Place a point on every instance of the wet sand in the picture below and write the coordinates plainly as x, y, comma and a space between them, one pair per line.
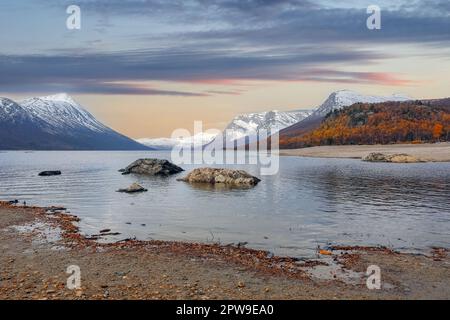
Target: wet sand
436, 152
37, 246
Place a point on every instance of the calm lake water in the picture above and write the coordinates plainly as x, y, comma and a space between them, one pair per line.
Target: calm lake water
309, 202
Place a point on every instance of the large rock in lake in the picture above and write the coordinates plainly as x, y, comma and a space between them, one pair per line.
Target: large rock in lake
394, 158
154, 167
223, 176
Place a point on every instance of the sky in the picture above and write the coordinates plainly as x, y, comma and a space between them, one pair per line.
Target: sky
147, 67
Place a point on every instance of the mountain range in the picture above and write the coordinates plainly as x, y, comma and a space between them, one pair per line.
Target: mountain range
59, 123
242, 126
199, 139
336, 101
56, 123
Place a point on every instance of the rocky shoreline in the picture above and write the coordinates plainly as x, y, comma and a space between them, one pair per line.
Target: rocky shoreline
132, 269
426, 152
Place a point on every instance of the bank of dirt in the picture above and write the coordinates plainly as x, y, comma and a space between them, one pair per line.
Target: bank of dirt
37, 247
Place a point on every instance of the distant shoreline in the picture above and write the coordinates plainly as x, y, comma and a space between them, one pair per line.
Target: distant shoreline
433, 152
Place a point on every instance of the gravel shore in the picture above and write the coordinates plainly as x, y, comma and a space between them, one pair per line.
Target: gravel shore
37, 247
436, 152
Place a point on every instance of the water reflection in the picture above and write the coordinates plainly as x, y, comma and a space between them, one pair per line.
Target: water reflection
309, 202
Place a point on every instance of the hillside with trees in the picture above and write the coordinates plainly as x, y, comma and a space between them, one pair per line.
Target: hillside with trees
381, 123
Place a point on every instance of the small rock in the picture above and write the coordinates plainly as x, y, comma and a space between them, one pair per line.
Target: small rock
49, 173
134, 188
54, 209
242, 244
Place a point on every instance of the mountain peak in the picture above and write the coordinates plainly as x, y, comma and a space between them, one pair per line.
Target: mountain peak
345, 98
56, 122
63, 97
4, 100
344, 91
246, 125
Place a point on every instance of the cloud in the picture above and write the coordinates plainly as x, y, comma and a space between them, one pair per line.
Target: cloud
227, 43
93, 87
379, 78
108, 72
284, 21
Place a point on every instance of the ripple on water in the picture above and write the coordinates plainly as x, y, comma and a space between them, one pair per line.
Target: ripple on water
309, 202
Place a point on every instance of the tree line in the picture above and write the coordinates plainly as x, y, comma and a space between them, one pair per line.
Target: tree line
382, 123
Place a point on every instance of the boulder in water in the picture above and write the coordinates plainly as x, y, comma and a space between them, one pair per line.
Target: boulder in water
154, 167
134, 188
221, 176
394, 158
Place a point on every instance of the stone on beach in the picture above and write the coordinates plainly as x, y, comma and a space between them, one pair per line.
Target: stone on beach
154, 167
394, 158
50, 173
133, 189
221, 176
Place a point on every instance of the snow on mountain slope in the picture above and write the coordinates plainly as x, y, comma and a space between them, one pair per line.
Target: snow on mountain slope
245, 125
61, 112
56, 123
11, 111
248, 125
199, 139
335, 101
344, 98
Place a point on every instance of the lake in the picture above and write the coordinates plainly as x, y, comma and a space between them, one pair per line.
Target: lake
310, 202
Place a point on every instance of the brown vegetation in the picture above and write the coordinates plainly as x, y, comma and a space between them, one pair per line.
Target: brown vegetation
383, 123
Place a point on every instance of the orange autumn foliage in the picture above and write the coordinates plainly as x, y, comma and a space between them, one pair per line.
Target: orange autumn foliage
383, 123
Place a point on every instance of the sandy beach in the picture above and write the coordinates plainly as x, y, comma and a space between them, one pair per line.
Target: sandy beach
38, 245
436, 152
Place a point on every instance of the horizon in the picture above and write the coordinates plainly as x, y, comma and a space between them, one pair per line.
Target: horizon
176, 64
65, 95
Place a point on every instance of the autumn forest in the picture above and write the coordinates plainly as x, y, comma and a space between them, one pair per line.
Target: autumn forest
383, 123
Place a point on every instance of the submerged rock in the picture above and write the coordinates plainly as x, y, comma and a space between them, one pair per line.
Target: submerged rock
154, 167
394, 158
133, 189
221, 176
50, 173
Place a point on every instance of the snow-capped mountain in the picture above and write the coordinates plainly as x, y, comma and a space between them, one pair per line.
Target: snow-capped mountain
335, 101
197, 140
244, 128
249, 124
56, 123
11, 112
61, 112
345, 98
